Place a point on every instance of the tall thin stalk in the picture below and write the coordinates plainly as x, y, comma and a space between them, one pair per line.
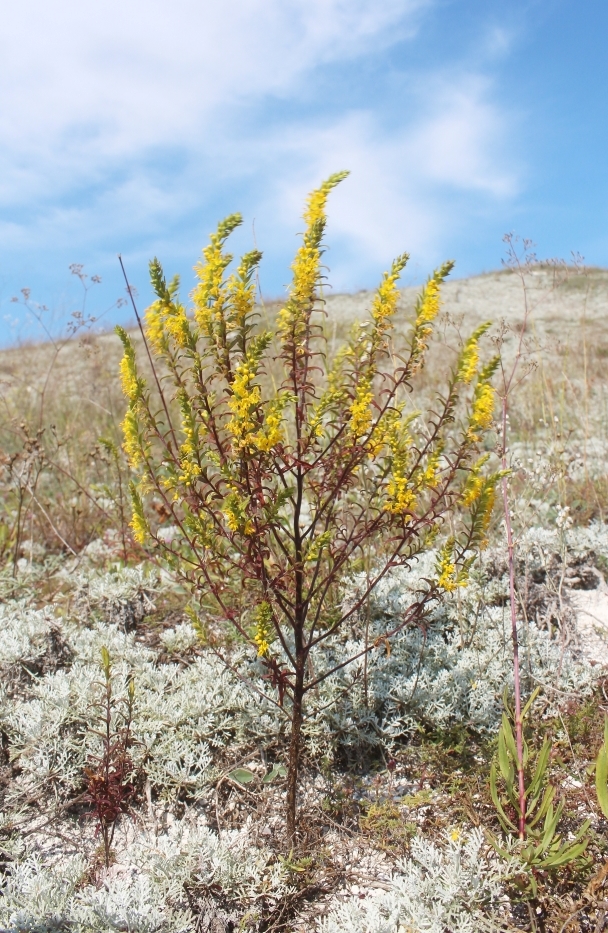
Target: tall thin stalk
511, 378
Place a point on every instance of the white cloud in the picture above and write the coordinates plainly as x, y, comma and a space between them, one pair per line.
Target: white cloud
400, 195
98, 96
103, 77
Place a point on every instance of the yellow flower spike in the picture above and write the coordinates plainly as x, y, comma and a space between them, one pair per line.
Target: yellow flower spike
178, 326
131, 444
474, 483
469, 357
155, 331
138, 522
140, 529
264, 633
429, 475
361, 409
482, 411
401, 499
448, 579
315, 205
429, 304
128, 378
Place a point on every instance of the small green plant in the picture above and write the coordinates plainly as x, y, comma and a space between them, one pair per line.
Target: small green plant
111, 775
542, 847
280, 467
384, 823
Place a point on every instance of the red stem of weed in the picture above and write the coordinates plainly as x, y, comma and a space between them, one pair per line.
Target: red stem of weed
516, 682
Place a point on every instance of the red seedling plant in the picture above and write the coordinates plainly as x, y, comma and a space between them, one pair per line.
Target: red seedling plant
110, 776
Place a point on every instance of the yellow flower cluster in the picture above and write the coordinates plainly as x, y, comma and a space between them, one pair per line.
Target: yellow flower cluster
307, 262
242, 299
428, 307
428, 477
315, 205
361, 409
155, 331
469, 363
235, 510
140, 528
178, 326
482, 411
401, 498
243, 403
448, 578
385, 300
316, 546
469, 357
271, 433
128, 377
474, 484
131, 444
263, 634
210, 273
190, 471
305, 269
138, 521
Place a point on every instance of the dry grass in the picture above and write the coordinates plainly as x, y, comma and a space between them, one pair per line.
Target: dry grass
61, 488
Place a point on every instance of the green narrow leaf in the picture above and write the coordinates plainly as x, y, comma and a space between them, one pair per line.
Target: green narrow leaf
505, 822
601, 779
526, 708
508, 736
541, 767
567, 853
506, 766
551, 821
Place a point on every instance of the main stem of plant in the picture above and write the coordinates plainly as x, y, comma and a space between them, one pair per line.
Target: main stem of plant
512, 599
294, 751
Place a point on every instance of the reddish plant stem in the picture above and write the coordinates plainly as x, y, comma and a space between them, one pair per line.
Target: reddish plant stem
512, 599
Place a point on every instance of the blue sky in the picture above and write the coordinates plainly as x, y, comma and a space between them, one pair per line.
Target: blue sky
133, 127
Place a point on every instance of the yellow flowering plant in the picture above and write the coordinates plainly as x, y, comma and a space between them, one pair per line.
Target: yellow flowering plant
279, 465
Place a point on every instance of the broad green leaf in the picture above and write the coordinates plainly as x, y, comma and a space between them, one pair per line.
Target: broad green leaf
242, 776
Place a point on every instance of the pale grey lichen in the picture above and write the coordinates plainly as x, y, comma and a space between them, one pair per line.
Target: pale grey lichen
455, 887
191, 712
